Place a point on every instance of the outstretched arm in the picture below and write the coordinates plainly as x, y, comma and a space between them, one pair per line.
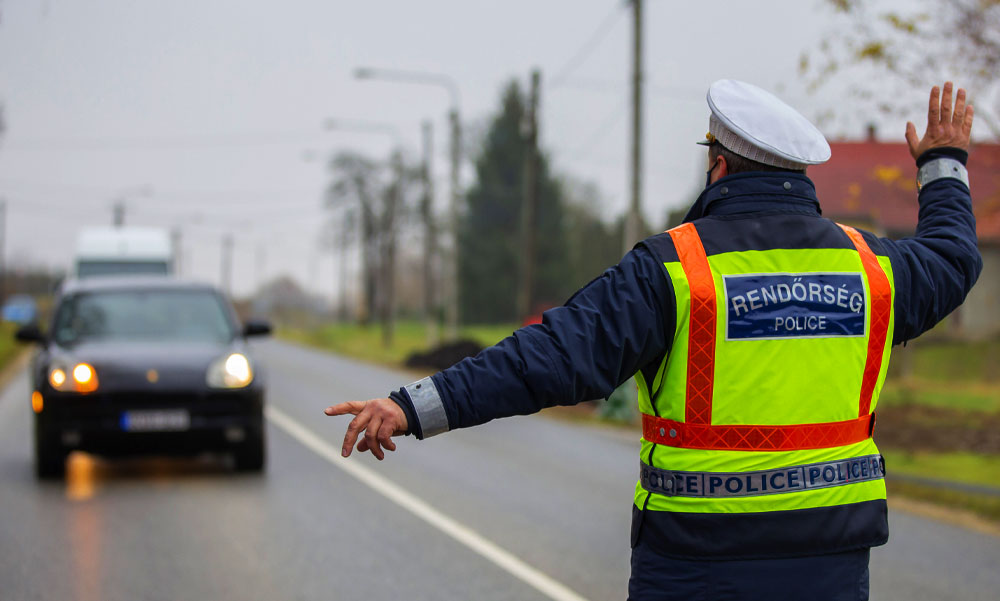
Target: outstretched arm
606, 332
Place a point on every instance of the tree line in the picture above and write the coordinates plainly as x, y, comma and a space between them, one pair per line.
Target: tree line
380, 202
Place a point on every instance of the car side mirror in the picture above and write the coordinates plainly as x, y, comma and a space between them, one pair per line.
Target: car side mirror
256, 327
29, 333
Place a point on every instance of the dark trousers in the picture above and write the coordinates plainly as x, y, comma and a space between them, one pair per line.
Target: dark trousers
836, 577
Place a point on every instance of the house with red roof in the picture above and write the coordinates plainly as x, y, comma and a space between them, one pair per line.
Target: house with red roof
872, 185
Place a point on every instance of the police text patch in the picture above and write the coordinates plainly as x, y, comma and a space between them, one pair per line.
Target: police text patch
762, 482
789, 305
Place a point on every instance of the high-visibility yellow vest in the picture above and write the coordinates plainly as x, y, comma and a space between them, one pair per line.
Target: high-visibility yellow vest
765, 403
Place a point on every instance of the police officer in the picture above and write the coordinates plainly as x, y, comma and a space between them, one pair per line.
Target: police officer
759, 335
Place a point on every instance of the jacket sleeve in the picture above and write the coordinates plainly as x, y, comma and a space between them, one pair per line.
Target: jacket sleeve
583, 350
934, 269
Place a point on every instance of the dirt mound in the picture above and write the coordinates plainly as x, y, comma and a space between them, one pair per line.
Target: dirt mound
444, 356
924, 428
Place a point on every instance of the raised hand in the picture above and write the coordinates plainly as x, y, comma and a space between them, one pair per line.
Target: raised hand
379, 419
945, 127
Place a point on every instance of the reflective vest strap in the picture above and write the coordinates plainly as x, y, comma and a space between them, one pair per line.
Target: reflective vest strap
795, 437
701, 329
881, 295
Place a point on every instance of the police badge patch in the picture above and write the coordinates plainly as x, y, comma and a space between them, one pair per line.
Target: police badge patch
795, 305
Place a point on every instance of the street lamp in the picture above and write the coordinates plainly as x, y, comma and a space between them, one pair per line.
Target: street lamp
446, 82
362, 126
118, 206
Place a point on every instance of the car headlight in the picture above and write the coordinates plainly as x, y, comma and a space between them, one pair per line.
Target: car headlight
230, 371
81, 377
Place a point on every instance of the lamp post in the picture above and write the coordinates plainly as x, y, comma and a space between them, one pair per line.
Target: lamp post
118, 206
451, 263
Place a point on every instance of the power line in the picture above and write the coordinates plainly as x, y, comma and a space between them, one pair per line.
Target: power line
169, 190
611, 86
599, 132
214, 140
589, 46
176, 142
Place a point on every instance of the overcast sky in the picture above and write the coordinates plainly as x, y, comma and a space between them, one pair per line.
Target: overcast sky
205, 114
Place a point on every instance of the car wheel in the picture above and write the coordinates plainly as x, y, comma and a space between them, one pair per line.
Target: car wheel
252, 455
50, 460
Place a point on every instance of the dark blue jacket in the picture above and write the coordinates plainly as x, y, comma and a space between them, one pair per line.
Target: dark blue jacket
623, 320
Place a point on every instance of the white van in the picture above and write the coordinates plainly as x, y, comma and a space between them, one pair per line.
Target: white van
124, 251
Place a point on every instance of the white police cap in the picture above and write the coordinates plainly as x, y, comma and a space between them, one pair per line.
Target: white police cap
757, 125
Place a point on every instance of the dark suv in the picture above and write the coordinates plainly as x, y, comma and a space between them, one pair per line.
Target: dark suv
145, 365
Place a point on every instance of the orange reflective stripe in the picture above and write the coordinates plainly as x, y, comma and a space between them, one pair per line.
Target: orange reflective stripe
756, 438
881, 307
697, 431
701, 328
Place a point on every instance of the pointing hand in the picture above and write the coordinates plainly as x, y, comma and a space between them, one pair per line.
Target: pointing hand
379, 419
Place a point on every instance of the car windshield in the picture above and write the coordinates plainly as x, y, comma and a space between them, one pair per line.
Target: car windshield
146, 315
86, 269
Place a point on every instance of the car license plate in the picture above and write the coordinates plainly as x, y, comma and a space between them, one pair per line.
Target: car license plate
165, 420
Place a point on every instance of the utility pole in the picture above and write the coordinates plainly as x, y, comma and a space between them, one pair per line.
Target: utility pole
633, 219
3, 240
118, 213
451, 308
387, 294
529, 202
227, 264
175, 248
347, 225
260, 265
430, 236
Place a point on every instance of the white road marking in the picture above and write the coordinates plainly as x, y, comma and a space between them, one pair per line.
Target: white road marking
464, 535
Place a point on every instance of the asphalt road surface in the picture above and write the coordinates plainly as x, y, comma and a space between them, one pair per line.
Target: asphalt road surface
525, 508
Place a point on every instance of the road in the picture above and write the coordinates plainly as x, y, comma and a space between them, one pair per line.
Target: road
526, 508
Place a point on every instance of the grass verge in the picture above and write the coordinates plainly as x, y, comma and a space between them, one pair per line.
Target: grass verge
366, 343
974, 396
968, 468
941, 469
982, 506
10, 349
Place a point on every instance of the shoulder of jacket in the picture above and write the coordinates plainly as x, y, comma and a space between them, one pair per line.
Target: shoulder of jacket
661, 246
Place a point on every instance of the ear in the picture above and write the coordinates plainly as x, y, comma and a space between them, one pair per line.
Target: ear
723, 170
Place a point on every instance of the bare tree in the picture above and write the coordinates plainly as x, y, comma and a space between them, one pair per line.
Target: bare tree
909, 49
384, 194
356, 181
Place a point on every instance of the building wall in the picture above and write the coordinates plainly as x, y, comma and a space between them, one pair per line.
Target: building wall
979, 317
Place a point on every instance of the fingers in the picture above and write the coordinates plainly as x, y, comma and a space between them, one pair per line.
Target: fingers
934, 108
912, 139
967, 125
385, 436
948, 124
946, 104
383, 439
959, 117
354, 407
357, 424
371, 438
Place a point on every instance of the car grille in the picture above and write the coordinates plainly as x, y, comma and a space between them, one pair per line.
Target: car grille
200, 403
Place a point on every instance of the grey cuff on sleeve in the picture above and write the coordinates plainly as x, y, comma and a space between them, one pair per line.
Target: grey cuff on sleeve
428, 406
942, 168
